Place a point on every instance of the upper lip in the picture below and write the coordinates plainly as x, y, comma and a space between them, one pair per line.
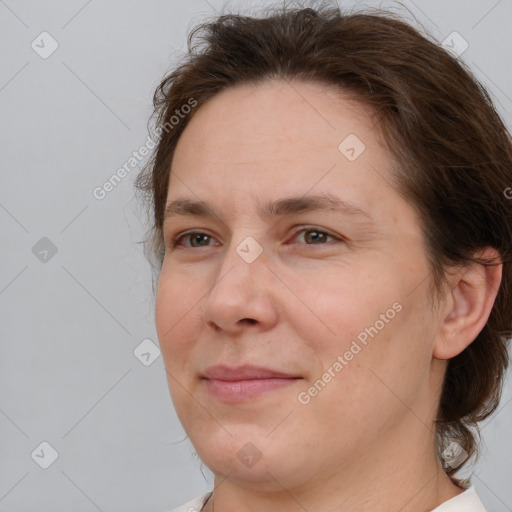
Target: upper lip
244, 372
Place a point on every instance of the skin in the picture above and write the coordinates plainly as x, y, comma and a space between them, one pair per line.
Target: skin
366, 440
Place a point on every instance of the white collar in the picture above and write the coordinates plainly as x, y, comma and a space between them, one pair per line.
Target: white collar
466, 501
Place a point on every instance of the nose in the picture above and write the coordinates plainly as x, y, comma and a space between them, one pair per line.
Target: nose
243, 293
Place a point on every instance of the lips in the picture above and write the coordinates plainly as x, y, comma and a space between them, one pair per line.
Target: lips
236, 384
246, 372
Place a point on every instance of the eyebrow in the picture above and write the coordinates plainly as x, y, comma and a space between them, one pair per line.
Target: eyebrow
275, 208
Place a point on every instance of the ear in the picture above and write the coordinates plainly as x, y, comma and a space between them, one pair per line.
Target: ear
468, 304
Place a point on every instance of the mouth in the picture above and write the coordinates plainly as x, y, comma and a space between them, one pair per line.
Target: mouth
244, 382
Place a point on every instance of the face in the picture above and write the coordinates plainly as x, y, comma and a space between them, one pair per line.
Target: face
293, 313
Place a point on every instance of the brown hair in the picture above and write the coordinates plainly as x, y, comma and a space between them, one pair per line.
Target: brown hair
453, 152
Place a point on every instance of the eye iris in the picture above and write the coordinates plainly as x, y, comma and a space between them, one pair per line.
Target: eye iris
198, 237
318, 236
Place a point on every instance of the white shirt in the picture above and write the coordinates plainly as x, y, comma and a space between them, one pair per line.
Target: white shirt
467, 501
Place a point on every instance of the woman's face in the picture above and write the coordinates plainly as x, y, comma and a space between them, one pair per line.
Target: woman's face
329, 302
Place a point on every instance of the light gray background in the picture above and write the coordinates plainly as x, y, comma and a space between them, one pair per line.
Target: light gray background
69, 326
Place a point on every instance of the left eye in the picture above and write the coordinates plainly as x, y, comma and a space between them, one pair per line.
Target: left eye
313, 236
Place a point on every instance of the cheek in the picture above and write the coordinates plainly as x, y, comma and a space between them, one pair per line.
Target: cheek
362, 389
176, 312
174, 318
342, 304
363, 321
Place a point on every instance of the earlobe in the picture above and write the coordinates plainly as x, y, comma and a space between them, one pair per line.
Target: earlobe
473, 290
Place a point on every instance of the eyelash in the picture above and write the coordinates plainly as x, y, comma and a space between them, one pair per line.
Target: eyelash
175, 241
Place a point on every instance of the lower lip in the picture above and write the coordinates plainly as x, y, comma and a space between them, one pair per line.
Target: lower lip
239, 390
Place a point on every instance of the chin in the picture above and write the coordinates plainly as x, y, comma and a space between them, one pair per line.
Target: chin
243, 455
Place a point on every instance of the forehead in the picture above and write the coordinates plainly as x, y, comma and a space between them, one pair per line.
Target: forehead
253, 148
278, 119
263, 128
254, 143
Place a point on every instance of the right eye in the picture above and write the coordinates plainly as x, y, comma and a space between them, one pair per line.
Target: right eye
198, 237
